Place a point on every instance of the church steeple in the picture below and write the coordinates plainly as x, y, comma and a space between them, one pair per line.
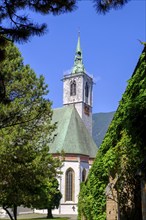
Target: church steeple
78, 62
77, 89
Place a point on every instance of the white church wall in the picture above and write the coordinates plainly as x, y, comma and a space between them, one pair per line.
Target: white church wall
69, 207
3, 213
76, 167
76, 163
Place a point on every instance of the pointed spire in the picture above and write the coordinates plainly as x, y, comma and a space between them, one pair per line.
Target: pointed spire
78, 50
78, 62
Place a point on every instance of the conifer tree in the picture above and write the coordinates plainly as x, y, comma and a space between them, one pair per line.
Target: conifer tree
104, 6
25, 133
15, 16
17, 25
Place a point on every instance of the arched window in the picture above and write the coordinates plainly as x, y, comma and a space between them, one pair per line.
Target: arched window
86, 90
83, 175
73, 88
69, 185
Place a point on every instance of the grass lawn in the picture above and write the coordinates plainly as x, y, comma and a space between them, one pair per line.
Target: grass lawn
57, 218
35, 216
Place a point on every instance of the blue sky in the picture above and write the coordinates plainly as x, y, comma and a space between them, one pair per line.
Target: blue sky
109, 45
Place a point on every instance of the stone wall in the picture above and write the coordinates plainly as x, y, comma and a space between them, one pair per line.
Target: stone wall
111, 200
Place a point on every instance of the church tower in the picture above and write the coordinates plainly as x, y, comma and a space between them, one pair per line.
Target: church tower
77, 89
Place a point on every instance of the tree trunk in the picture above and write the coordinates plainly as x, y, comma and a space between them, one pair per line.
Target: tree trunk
15, 212
49, 213
7, 211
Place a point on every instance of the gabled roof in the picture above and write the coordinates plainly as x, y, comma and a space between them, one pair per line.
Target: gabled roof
72, 135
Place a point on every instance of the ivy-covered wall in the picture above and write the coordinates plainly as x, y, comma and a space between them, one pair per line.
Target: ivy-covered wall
121, 153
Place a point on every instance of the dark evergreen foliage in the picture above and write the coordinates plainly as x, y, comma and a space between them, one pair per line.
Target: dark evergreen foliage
15, 16
104, 6
15, 19
16, 22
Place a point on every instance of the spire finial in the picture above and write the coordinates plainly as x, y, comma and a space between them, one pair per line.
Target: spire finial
78, 62
78, 31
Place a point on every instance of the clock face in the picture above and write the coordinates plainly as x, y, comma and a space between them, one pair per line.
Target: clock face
86, 110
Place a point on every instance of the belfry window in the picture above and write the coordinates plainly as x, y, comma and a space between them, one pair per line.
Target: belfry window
69, 185
86, 90
73, 88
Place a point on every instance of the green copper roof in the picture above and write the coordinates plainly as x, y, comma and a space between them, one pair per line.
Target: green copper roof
72, 135
78, 62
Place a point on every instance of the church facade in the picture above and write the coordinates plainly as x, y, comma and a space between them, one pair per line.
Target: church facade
74, 134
